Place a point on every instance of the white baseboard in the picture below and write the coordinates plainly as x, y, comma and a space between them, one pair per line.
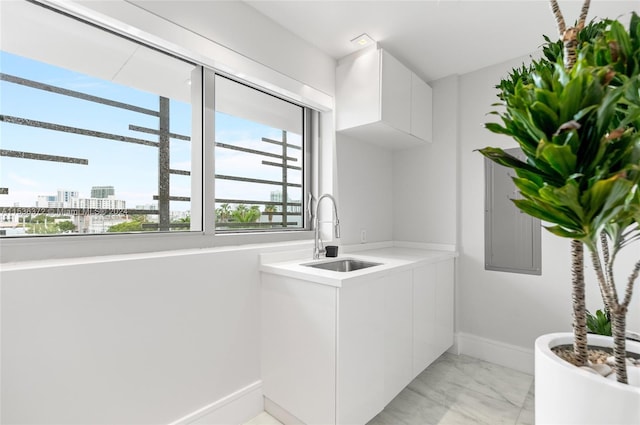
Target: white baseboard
236, 408
280, 413
511, 356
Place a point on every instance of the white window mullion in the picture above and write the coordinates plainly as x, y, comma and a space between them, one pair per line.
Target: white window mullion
208, 147
197, 151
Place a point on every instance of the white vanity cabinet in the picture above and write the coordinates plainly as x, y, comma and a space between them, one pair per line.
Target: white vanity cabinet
337, 354
381, 101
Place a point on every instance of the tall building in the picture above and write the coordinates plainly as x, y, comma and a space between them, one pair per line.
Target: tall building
65, 197
102, 191
48, 201
102, 198
100, 204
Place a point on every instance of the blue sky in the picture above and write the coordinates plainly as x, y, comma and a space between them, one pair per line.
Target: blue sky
130, 168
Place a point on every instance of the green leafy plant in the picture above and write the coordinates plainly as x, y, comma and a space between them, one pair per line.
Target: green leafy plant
244, 214
599, 323
575, 114
223, 213
66, 226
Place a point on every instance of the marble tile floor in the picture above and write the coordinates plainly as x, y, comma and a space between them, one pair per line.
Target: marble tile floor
456, 390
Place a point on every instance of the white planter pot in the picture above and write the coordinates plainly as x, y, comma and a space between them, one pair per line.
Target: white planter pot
565, 394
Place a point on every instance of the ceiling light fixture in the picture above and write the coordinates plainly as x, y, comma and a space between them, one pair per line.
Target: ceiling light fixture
363, 40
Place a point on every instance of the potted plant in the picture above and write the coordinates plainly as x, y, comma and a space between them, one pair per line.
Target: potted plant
575, 113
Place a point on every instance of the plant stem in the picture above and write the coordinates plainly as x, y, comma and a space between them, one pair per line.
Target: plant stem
559, 18
579, 307
570, 35
618, 331
608, 265
618, 314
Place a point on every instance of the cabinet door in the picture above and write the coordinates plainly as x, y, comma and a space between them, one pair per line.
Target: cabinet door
421, 109
358, 90
299, 347
398, 337
395, 93
360, 351
424, 315
445, 305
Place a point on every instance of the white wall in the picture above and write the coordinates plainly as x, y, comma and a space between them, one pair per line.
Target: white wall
129, 340
425, 177
365, 178
148, 338
408, 194
507, 308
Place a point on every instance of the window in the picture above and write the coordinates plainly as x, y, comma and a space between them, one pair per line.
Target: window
96, 137
259, 160
95, 129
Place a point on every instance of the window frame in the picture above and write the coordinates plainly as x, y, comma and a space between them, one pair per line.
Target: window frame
318, 115
307, 164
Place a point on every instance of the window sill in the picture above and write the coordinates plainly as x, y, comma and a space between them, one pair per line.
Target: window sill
14, 250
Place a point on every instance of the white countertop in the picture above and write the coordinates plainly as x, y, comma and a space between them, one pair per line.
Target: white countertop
392, 259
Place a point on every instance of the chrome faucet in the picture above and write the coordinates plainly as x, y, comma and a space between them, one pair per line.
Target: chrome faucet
336, 230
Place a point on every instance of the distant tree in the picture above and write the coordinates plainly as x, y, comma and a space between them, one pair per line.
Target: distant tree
127, 226
42, 228
135, 225
40, 218
66, 226
270, 209
244, 214
223, 213
181, 223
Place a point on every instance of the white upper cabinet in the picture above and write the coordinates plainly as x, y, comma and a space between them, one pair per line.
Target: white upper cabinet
421, 109
395, 93
381, 101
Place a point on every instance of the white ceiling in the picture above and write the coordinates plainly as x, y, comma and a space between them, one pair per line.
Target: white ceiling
434, 38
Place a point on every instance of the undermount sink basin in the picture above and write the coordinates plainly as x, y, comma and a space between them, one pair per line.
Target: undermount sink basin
343, 265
